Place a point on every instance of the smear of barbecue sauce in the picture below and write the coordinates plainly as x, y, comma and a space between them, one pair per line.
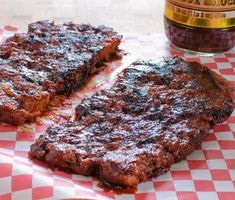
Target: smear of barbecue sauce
115, 190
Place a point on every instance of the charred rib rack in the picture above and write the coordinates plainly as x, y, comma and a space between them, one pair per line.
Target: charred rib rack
48, 60
153, 116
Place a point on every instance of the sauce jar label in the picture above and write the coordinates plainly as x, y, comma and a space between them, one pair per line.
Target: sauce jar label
202, 13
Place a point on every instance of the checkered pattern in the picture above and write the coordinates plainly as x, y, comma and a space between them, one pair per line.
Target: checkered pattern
208, 173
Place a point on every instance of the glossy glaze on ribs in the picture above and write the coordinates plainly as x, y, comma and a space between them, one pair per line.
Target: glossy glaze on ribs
47, 60
153, 116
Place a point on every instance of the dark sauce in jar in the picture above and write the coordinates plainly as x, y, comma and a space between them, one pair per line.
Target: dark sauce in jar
201, 25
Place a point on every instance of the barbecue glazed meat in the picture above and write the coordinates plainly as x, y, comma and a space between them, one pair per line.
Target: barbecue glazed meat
48, 60
153, 116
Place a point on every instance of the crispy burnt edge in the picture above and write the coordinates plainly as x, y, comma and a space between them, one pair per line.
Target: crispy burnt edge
43, 145
219, 115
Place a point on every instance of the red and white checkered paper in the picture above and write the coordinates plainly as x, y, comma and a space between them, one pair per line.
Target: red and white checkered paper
208, 173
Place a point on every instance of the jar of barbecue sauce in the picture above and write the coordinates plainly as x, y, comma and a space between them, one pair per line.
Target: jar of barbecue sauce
201, 25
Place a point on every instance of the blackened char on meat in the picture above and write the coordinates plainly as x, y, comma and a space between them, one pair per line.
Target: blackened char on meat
47, 60
153, 116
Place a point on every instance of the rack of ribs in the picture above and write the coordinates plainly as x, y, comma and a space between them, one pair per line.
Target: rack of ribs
154, 115
46, 61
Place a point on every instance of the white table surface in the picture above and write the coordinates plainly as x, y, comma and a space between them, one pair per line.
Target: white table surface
139, 16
